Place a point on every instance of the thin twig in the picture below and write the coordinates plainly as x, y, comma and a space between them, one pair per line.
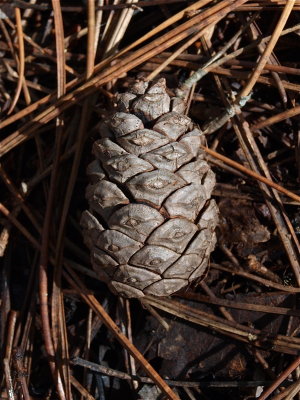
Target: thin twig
280, 379
8, 379
251, 173
268, 50
44, 255
256, 278
21, 60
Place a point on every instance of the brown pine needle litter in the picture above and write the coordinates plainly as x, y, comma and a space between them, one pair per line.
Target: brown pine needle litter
232, 333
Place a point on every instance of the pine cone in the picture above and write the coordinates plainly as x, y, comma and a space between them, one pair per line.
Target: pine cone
150, 227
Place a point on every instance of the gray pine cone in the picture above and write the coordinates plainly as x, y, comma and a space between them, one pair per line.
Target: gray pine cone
151, 223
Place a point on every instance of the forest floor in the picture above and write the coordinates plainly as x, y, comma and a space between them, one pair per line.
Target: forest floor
235, 333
